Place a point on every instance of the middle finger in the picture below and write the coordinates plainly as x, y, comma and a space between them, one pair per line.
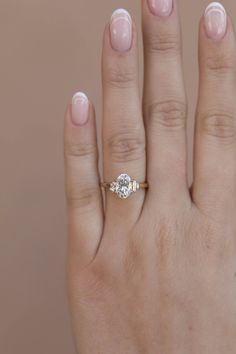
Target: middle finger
165, 107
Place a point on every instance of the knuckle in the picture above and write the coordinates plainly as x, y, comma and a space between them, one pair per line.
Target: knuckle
105, 270
220, 125
166, 241
125, 147
168, 114
120, 76
78, 198
135, 255
163, 43
210, 241
220, 64
78, 149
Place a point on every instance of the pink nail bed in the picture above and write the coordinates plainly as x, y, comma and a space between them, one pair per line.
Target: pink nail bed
80, 108
161, 7
215, 21
121, 30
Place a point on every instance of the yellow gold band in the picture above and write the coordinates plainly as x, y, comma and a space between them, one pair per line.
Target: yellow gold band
124, 186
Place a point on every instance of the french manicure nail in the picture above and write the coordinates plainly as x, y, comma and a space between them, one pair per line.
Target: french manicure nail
80, 108
161, 7
121, 30
215, 21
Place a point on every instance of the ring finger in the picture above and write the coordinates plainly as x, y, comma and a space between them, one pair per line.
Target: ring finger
123, 130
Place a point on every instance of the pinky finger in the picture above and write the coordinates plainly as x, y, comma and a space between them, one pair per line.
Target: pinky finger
84, 198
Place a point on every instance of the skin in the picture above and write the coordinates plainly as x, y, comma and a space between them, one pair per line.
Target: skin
156, 273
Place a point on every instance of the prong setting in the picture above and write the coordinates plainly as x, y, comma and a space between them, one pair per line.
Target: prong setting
124, 186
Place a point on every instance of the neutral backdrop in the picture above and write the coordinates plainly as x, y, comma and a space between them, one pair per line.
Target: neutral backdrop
48, 50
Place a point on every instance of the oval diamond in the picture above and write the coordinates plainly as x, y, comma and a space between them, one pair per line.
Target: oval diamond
124, 186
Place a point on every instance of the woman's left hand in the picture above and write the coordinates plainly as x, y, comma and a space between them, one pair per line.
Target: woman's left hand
155, 273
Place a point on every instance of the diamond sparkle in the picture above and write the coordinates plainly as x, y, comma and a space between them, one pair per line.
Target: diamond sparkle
123, 186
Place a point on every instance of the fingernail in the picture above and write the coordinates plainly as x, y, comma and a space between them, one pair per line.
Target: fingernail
215, 21
161, 7
80, 108
121, 30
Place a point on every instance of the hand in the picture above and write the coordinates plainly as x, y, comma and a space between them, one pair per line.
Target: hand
155, 273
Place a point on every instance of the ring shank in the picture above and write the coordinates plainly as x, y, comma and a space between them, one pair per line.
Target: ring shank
142, 185
105, 184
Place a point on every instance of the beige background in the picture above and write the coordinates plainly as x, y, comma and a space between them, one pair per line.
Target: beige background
49, 49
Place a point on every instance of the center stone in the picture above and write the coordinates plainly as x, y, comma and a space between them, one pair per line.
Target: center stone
123, 186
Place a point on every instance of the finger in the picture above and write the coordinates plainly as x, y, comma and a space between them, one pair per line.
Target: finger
84, 199
164, 101
215, 142
123, 130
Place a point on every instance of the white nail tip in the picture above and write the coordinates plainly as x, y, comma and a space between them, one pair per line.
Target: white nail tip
79, 96
121, 14
216, 6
